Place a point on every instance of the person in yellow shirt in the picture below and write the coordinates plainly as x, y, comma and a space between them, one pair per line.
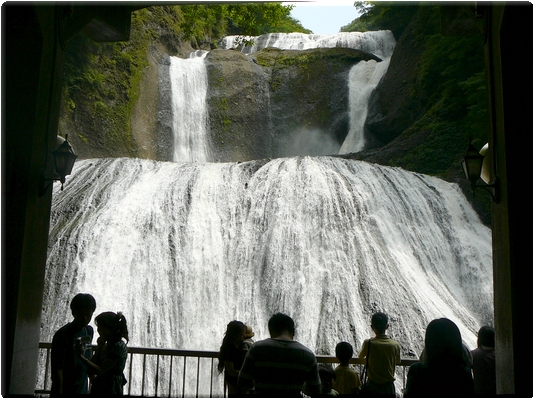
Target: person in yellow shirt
347, 380
381, 354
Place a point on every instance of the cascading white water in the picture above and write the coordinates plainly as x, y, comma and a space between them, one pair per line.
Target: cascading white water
363, 77
189, 86
379, 43
184, 248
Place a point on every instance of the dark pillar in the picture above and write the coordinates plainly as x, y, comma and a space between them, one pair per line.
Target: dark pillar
509, 66
31, 74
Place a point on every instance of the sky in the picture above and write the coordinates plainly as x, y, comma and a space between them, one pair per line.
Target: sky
324, 16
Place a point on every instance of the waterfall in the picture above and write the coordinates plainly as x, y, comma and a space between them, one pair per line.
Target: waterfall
379, 43
189, 86
363, 77
184, 248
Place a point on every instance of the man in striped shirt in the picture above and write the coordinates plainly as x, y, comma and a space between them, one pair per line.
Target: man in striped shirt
280, 366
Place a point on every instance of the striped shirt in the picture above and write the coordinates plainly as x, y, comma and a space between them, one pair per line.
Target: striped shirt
279, 368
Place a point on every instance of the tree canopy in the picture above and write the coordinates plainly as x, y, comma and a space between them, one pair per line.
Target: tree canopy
250, 19
379, 15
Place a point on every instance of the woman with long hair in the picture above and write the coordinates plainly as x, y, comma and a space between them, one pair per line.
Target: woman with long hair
231, 355
109, 359
444, 372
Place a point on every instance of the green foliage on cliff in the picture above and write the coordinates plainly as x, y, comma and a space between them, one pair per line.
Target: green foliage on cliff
450, 84
212, 22
380, 15
101, 80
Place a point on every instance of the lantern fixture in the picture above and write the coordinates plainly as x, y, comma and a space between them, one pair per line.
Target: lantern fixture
64, 158
473, 163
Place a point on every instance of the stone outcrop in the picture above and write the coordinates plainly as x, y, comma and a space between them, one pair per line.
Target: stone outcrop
277, 103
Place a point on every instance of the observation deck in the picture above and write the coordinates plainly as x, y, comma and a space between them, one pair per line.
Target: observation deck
153, 372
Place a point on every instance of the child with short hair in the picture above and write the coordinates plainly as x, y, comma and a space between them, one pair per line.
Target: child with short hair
347, 380
328, 378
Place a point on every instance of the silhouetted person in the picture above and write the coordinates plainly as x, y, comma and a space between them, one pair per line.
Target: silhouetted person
444, 373
382, 354
484, 363
69, 373
231, 355
327, 378
280, 366
347, 380
109, 359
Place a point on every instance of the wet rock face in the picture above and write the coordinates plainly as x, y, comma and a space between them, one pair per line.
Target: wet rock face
238, 107
277, 103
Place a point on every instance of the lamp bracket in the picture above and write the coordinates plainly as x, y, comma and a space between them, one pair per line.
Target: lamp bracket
46, 182
492, 188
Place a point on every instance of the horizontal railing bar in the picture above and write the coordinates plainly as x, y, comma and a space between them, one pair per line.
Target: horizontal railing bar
405, 362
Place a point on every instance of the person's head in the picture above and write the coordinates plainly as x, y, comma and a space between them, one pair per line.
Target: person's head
327, 377
485, 336
379, 322
234, 335
83, 306
280, 324
112, 326
443, 343
248, 332
344, 352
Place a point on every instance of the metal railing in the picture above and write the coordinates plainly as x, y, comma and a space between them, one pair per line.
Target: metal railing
155, 372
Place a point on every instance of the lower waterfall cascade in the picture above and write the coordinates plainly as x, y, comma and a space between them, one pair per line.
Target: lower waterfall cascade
184, 248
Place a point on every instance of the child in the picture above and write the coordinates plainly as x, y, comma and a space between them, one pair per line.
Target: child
347, 380
328, 378
110, 357
69, 374
247, 338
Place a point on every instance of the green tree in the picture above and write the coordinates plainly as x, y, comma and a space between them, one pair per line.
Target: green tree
379, 15
209, 23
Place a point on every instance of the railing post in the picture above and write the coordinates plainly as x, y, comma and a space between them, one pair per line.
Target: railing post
184, 378
211, 376
143, 375
130, 375
170, 374
156, 377
46, 367
198, 372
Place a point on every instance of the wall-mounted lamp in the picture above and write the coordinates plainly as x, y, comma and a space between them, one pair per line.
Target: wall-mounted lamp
64, 158
476, 165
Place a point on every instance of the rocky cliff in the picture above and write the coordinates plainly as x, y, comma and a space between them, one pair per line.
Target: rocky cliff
277, 103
